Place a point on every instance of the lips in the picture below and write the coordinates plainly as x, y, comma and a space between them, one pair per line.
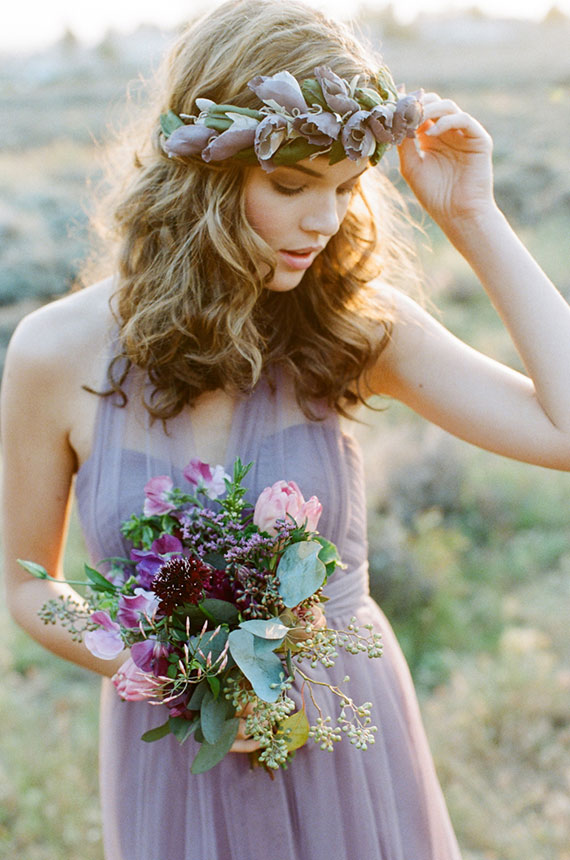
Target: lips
299, 258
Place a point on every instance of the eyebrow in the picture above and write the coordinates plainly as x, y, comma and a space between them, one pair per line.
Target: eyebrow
310, 172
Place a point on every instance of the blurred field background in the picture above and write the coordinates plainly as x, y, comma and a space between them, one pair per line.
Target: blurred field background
470, 554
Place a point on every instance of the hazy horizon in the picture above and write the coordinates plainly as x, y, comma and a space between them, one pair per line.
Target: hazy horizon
26, 30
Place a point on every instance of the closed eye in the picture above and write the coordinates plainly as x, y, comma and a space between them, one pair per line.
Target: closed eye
287, 190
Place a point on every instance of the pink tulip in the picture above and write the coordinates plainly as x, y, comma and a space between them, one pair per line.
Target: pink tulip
157, 496
132, 684
311, 513
284, 501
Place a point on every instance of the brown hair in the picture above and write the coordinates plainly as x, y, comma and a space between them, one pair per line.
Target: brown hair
191, 304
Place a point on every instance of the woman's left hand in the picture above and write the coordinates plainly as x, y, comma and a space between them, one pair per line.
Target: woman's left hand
448, 165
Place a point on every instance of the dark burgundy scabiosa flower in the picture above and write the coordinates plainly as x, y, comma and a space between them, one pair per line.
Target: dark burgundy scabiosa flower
181, 580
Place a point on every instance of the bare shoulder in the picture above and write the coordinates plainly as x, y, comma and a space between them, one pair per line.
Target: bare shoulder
69, 336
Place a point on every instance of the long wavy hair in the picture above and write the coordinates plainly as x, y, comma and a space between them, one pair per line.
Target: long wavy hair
191, 304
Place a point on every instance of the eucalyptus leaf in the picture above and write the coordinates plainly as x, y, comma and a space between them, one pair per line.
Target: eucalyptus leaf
181, 728
212, 717
300, 572
156, 734
214, 685
210, 754
266, 628
328, 552
258, 662
221, 611
196, 698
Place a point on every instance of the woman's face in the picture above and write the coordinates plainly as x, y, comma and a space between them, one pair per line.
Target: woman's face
297, 209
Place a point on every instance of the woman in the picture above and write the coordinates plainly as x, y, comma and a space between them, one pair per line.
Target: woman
246, 312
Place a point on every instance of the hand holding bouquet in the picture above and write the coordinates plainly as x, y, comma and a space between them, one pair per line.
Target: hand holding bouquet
221, 606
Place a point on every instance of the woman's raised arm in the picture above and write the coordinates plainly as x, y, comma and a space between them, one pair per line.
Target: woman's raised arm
468, 394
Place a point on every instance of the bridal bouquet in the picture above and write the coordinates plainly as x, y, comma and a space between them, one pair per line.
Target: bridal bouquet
221, 607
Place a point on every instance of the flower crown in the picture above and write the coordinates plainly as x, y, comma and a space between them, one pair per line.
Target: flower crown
321, 115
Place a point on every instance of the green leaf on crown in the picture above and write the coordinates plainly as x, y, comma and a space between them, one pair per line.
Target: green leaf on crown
378, 153
337, 152
313, 93
367, 98
386, 85
169, 122
294, 151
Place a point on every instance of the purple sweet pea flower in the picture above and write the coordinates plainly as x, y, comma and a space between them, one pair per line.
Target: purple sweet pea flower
148, 565
203, 477
188, 140
281, 88
269, 135
156, 492
320, 129
357, 138
106, 642
335, 91
380, 122
165, 544
134, 607
150, 655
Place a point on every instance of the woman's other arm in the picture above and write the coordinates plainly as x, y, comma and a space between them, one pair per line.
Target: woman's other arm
41, 393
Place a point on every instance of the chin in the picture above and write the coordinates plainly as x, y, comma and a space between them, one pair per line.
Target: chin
284, 283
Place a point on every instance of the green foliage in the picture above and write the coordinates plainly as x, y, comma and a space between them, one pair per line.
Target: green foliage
209, 754
258, 662
300, 572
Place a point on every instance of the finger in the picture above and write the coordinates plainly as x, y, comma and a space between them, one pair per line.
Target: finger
428, 98
410, 158
463, 122
435, 109
244, 746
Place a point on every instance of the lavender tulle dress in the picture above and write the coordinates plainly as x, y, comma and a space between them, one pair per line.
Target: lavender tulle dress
380, 804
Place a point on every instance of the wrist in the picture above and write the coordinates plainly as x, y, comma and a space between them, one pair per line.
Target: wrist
470, 233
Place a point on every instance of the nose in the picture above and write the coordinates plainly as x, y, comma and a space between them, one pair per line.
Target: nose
323, 217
